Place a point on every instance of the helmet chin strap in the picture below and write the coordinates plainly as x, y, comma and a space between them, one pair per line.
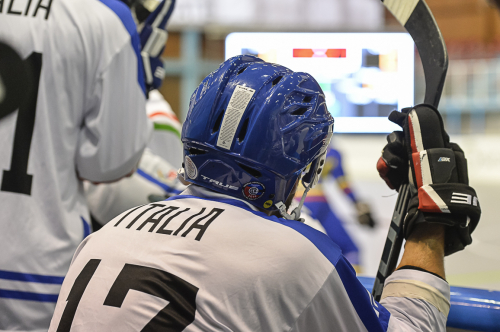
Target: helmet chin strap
295, 215
311, 178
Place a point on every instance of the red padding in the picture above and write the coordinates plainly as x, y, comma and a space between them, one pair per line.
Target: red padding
426, 203
383, 169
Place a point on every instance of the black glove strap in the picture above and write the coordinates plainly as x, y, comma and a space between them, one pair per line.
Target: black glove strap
411, 267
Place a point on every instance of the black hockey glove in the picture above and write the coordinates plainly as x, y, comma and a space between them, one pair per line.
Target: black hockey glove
438, 176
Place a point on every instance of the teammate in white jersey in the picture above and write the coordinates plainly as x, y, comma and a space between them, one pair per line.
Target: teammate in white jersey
225, 255
85, 120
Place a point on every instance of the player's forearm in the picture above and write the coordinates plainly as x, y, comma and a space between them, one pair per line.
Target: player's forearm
425, 249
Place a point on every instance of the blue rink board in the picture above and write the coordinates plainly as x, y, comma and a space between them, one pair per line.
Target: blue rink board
471, 308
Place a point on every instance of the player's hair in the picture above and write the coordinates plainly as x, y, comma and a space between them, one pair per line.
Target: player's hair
252, 128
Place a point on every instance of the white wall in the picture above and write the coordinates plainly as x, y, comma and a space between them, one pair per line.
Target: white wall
295, 15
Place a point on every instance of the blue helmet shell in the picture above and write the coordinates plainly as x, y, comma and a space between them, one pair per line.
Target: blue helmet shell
283, 126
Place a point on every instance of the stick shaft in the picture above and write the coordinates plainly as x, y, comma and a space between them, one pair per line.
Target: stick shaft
417, 19
393, 243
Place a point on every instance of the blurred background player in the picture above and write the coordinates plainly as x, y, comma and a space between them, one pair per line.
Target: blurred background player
317, 207
84, 119
156, 176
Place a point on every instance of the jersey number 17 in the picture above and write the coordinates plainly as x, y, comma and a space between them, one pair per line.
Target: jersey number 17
180, 294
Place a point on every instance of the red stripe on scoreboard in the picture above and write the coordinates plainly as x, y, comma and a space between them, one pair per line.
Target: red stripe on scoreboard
335, 53
319, 53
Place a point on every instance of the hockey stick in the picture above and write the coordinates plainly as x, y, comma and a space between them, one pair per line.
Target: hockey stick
417, 18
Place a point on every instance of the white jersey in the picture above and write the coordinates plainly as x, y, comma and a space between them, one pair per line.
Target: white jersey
157, 172
86, 122
202, 261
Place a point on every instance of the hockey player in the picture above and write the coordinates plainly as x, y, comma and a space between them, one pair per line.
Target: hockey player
85, 119
335, 170
225, 255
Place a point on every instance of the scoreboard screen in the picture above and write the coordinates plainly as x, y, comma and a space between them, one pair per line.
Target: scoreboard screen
364, 76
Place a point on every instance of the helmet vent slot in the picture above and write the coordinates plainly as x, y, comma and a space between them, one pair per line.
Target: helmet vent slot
300, 111
307, 99
252, 171
243, 131
195, 151
218, 122
241, 70
276, 80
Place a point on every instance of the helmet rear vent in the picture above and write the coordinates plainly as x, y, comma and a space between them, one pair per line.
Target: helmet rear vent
195, 151
243, 131
307, 99
218, 122
252, 171
300, 111
276, 80
241, 70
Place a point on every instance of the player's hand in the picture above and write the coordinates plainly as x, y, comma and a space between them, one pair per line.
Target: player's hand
153, 39
364, 215
438, 177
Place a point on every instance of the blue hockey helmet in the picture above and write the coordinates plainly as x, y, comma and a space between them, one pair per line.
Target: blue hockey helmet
251, 130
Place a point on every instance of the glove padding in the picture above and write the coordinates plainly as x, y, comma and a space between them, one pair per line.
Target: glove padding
438, 178
153, 35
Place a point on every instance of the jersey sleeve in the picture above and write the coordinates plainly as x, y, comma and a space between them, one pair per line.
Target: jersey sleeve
116, 129
414, 301
417, 301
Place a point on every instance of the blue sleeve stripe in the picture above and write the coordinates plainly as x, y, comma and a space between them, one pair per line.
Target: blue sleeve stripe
325, 245
361, 299
123, 12
18, 295
164, 186
28, 277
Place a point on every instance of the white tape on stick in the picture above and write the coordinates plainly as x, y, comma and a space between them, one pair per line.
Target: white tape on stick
401, 9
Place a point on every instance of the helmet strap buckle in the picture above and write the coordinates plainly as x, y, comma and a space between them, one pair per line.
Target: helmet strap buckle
295, 215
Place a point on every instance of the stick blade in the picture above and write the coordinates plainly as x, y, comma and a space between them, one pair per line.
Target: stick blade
417, 18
